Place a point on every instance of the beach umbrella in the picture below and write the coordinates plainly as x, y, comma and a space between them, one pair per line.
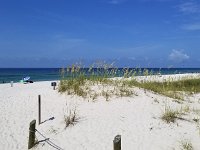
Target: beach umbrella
26, 78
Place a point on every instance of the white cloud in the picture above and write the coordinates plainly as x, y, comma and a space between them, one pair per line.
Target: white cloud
189, 7
178, 56
191, 27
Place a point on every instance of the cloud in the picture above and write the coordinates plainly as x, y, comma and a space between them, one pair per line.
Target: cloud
189, 7
191, 27
178, 56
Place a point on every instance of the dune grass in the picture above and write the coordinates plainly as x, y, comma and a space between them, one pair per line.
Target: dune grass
78, 81
189, 85
70, 116
170, 115
186, 145
70, 119
175, 89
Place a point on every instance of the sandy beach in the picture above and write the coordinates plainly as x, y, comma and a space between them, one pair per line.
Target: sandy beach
136, 118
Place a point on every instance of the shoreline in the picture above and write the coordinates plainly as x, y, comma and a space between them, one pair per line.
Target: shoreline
48, 74
143, 77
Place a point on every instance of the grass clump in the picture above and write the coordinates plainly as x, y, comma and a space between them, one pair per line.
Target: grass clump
106, 94
170, 115
124, 90
186, 145
71, 118
73, 86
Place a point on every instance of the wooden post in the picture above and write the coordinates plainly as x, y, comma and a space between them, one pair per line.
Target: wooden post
31, 141
117, 142
39, 109
11, 83
54, 87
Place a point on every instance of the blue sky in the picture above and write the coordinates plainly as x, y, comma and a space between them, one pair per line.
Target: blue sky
132, 33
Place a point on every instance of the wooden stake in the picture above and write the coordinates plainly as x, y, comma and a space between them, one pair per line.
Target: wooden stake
117, 142
31, 141
39, 109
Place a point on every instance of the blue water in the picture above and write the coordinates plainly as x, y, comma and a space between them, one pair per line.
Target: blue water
36, 74
49, 74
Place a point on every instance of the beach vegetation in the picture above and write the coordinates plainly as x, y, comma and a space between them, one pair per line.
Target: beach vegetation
106, 94
173, 89
77, 80
93, 96
70, 118
125, 91
170, 115
186, 145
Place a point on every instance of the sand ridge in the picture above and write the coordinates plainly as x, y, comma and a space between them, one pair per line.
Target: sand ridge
135, 118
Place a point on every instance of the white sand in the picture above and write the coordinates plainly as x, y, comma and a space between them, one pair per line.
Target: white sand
136, 119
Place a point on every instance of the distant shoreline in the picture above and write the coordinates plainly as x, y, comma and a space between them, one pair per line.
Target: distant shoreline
139, 78
50, 74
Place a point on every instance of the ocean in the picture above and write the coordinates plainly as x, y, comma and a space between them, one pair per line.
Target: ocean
50, 74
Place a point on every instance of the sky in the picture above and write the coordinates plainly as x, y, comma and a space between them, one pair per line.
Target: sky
128, 33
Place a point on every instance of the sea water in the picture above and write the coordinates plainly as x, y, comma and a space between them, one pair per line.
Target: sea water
49, 74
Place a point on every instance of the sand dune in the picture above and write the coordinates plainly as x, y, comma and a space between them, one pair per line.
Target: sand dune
136, 119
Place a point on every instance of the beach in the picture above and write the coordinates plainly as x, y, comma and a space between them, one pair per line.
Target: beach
136, 118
